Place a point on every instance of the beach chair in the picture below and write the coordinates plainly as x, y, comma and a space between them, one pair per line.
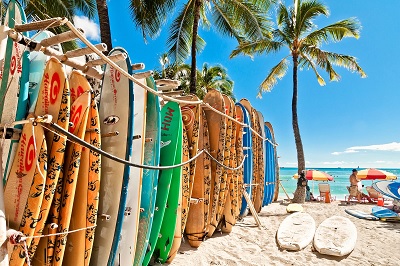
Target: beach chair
325, 193
373, 194
353, 196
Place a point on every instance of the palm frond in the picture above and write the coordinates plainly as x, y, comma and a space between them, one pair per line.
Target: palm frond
180, 39
307, 12
87, 7
277, 72
150, 15
325, 60
335, 32
306, 61
257, 47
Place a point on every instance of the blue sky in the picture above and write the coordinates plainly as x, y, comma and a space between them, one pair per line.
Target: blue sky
350, 123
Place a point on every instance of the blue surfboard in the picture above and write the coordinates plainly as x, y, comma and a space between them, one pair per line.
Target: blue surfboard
382, 187
269, 168
248, 163
394, 188
382, 213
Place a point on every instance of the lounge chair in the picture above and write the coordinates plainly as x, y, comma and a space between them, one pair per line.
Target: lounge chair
324, 191
353, 196
373, 194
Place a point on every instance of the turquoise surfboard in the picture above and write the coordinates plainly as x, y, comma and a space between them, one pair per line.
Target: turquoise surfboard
248, 162
171, 126
150, 177
14, 78
167, 231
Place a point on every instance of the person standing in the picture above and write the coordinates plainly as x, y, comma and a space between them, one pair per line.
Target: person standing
356, 187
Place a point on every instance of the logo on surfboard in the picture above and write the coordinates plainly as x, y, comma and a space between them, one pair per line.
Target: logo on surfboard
76, 113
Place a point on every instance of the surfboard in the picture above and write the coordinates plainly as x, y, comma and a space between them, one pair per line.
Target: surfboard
217, 133
116, 124
53, 94
239, 159
228, 212
260, 180
190, 118
296, 231
198, 217
394, 188
224, 186
14, 77
79, 115
180, 220
294, 207
23, 192
382, 187
167, 231
270, 169
185, 180
335, 236
361, 215
255, 151
248, 163
36, 68
266, 191
384, 213
273, 185
150, 177
171, 125
84, 213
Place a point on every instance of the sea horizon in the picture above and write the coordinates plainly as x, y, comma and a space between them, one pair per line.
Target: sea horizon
338, 185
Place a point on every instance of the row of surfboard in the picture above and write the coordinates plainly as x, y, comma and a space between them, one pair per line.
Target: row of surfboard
120, 215
335, 236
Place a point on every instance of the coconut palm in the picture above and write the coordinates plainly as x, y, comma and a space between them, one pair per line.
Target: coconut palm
241, 19
297, 32
209, 77
104, 21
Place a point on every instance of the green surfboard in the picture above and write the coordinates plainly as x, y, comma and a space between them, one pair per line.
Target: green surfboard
167, 231
171, 125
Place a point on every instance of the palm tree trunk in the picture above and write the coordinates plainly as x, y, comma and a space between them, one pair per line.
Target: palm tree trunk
193, 72
104, 21
300, 193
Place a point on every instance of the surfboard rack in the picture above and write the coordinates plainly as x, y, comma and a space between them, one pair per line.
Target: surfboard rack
35, 46
86, 50
42, 24
143, 75
251, 207
59, 38
110, 134
138, 66
114, 58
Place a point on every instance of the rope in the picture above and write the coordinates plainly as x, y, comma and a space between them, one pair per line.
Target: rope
79, 141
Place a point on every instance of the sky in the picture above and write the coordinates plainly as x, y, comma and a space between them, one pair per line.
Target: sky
350, 123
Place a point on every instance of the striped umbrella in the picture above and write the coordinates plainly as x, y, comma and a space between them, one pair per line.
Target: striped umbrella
372, 174
316, 175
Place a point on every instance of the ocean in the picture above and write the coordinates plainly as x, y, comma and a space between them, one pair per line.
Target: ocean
338, 185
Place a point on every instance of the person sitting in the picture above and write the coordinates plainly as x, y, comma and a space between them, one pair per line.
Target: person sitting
309, 194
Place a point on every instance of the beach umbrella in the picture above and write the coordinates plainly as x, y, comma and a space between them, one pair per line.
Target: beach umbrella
316, 175
372, 174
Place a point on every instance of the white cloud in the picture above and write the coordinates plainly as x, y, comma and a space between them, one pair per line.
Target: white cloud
393, 146
91, 29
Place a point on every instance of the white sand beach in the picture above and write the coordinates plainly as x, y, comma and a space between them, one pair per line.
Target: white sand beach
377, 244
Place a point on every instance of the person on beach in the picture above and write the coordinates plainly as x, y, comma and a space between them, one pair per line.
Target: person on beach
356, 188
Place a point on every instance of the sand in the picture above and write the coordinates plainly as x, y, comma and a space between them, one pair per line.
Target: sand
378, 243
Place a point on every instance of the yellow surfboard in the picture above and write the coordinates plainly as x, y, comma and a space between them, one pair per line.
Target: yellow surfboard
79, 115
217, 130
229, 211
198, 217
53, 98
84, 213
23, 193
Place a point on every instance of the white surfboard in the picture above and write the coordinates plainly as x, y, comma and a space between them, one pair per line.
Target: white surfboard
335, 236
296, 231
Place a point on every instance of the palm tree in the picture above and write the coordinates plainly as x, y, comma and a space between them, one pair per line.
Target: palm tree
209, 77
104, 21
39, 10
241, 19
296, 31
